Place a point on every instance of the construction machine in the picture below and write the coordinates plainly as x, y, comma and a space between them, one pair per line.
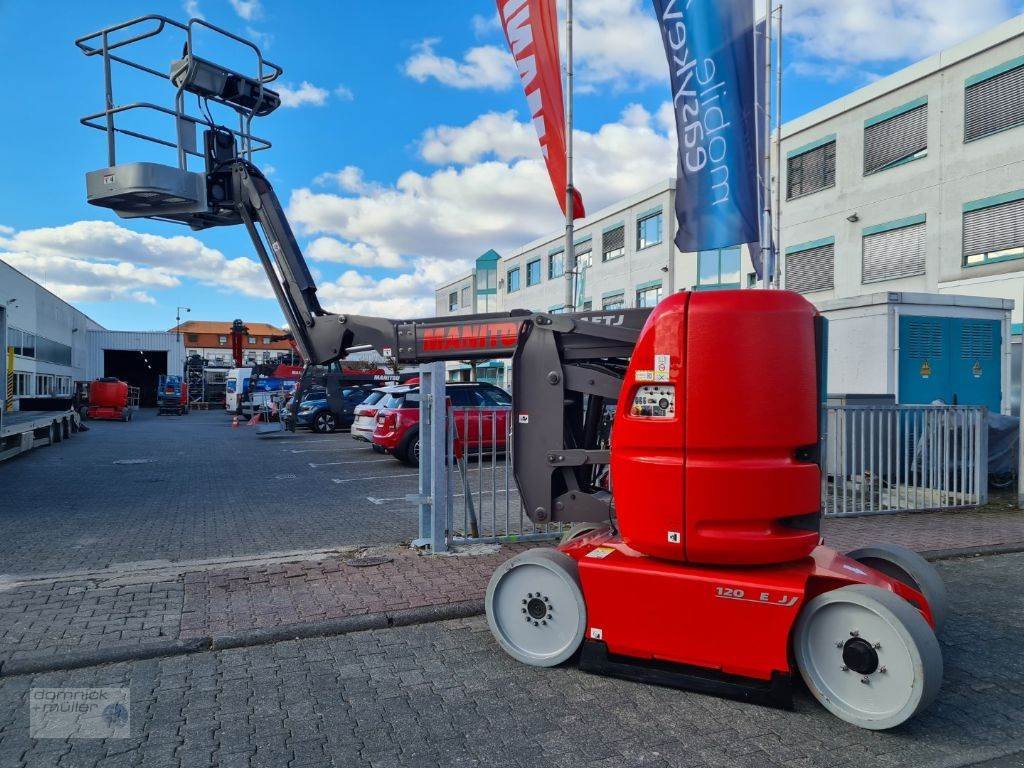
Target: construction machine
701, 564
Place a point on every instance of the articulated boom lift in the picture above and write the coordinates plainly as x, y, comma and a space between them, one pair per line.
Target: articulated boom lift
701, 566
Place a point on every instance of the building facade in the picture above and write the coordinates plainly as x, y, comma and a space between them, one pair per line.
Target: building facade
212, 341
915, 182
49, 338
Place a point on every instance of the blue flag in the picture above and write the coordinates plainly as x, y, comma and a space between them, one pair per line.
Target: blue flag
710, 49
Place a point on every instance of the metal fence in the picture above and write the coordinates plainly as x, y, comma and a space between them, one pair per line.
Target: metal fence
901, 458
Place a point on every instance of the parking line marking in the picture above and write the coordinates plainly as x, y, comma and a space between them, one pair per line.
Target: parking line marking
315, 450
375, 500
371, 477
336, 463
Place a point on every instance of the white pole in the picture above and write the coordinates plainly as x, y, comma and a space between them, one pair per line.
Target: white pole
766, 215
778, 148
570, 250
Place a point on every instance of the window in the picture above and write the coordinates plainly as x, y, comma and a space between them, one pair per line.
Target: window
512, 283
613, 243
533, 272
464, 397
648, 230
584, 256
251, 340
811, 266
648, 295
192, 337
44, 385
52, 351
719, 268
994, 229
614, 301
453, 301
811, 169
994, 100
24, 343
892, 250
22, 384
495, 396
223, 339
465, 296
266, 339
556, 264
557, 309
588, 305
486, 279
897, 137
752, 280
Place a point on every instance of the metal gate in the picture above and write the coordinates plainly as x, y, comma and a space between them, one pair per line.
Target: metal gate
467, 491
904, 458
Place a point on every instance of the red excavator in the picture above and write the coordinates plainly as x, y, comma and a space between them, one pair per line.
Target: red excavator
702, 565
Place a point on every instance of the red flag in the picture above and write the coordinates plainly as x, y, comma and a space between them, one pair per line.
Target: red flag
531, 29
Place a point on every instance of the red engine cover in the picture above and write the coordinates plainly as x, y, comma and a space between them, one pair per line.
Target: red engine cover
715, 481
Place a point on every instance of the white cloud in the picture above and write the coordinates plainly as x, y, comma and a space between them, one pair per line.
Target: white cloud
358, 254
191, 8
482, 67
5, 230
305, 93
348, 179
408, 295
459, 212
491, 135
344, 93
484, 26
860, 31
263, 39
101, 260
248, 10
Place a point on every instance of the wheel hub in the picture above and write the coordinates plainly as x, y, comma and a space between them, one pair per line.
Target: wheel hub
860, 656
536, 608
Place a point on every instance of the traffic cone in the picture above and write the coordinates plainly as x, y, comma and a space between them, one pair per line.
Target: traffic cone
234, 421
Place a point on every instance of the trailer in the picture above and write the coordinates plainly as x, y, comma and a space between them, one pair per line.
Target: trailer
21, 431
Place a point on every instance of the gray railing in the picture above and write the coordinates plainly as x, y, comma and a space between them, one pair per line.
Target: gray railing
880, 459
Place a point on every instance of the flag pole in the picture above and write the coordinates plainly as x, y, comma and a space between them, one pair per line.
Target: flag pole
570, 250
767, 256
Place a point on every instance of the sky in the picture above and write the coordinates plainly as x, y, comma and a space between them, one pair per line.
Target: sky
402, 150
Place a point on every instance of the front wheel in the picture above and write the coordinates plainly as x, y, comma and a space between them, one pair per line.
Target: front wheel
408, 451
535, 607
324, 422
867, 656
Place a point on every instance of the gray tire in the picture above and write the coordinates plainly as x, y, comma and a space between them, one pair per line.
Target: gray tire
908, 567
535, 607
867, 656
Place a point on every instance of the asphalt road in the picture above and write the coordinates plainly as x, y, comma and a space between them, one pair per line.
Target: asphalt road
444, 695
193, 487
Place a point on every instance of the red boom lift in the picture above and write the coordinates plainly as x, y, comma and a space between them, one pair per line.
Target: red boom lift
702, 566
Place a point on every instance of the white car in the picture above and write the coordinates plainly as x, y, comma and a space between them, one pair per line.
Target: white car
366, 415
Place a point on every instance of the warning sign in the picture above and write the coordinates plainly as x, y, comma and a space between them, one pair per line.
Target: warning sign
976, 369
661, 366
926, 370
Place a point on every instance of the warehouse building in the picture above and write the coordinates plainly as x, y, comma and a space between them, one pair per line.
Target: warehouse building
913, 184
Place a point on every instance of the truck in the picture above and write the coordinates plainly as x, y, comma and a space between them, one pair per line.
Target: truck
236, 387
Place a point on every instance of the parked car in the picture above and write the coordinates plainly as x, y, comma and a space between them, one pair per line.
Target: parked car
397, 429
365, 416
315, 413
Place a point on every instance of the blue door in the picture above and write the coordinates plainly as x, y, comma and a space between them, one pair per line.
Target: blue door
952, 359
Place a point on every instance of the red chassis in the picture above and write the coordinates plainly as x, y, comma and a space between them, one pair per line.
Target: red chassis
731, 621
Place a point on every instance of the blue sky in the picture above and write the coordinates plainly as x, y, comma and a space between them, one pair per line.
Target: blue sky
403, 152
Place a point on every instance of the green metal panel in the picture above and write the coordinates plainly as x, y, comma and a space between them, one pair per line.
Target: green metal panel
895, 111
988, 202
650, 212
649, 284
813, 145
897, 224
610, 227
811, 245
609, 294
988, 74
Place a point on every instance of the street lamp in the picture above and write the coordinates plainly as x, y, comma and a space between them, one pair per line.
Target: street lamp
177, 327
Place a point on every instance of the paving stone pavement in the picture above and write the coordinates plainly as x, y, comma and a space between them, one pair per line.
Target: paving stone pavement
204, 490
46, 619
442, 694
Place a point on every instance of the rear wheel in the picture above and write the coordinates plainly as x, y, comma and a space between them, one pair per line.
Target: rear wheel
324, 422
580, 529
535, 607
408, 451
867, 656
908, 567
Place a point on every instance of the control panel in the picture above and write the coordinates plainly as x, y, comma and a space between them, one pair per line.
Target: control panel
656, 402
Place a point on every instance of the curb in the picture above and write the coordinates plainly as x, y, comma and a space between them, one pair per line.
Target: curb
933, 555
249, 638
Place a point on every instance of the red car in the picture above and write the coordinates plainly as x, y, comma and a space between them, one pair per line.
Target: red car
480, 411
